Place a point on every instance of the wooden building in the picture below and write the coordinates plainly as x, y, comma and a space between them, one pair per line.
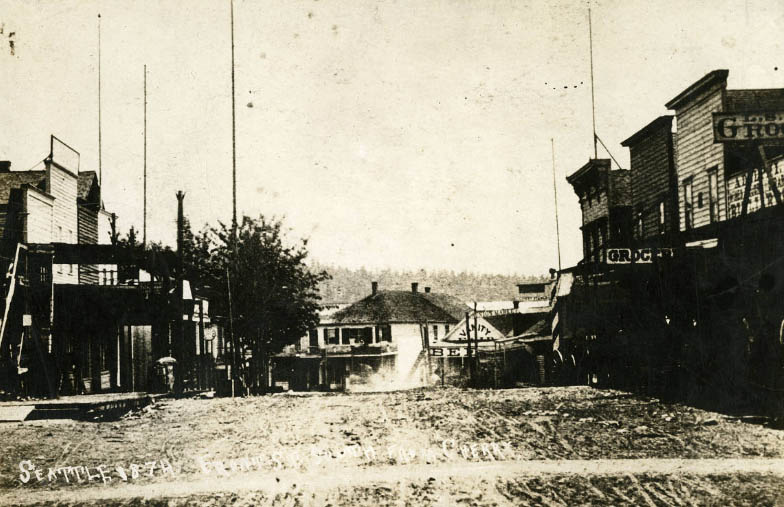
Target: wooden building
80, 314
606, 207
712, 175
386, 333
654, 183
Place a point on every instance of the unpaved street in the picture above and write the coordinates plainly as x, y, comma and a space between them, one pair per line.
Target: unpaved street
439, 446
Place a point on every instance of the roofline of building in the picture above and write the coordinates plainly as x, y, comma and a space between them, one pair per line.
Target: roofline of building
654, 125
28, 186
63, 168
708, 80
388, 322
579, 173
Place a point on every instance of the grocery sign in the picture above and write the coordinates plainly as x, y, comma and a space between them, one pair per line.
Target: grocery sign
637, 255
744, 127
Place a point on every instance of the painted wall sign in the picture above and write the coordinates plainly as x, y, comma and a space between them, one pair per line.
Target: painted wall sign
736, 186
744, 127
484, 331
637, 255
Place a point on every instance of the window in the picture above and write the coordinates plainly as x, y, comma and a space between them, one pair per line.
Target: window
435, 332
446, 329
661, 217
688, 204
713, 193
331, 336
313, 338
639, 228
384, 333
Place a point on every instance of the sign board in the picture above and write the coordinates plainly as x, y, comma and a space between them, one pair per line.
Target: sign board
27, 320
64, 156
448, 351
484, 331
637, 255
736, 187
746, 127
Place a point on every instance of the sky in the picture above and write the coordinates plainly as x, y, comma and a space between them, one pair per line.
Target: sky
391, 134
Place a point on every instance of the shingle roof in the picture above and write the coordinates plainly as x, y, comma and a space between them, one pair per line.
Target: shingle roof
771, 99
450, 304
15, 179
397, 306
85, 184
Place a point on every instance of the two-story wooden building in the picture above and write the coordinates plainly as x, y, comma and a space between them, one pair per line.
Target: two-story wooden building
383, 334
712, 175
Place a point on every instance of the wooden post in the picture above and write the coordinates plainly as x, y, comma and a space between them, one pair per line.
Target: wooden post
232, 338
746, 192
476, 342
202, 342
427, 351
470, 358
495, 364
179, 345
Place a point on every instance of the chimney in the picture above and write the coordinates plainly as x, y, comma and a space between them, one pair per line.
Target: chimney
414, 286
427, 290
374, 288
516, 304
5, 166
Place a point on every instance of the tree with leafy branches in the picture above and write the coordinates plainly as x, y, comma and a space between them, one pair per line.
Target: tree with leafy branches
274, 294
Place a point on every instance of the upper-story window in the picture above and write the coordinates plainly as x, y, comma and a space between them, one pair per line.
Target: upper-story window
661, 217
688, 204
639, 229
713, 193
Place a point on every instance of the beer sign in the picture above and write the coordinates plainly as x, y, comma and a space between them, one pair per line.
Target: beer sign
746, 127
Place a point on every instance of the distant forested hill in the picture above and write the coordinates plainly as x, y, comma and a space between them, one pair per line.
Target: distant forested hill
349, 285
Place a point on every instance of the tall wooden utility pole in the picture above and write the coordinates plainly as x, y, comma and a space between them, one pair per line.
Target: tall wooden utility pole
593, 106
233, 133
233, 202
144, 219
100, 171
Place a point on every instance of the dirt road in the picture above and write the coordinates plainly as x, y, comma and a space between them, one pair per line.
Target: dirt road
331, 481
426, 447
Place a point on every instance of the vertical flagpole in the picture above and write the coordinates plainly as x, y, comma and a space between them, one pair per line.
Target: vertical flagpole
555, 193
233, 133
100, 173
593, 105
144, 218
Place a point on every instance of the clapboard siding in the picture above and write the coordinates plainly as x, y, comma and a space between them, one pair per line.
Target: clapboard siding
697, 153
88, 234
38, 221
653, 179
62, 185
